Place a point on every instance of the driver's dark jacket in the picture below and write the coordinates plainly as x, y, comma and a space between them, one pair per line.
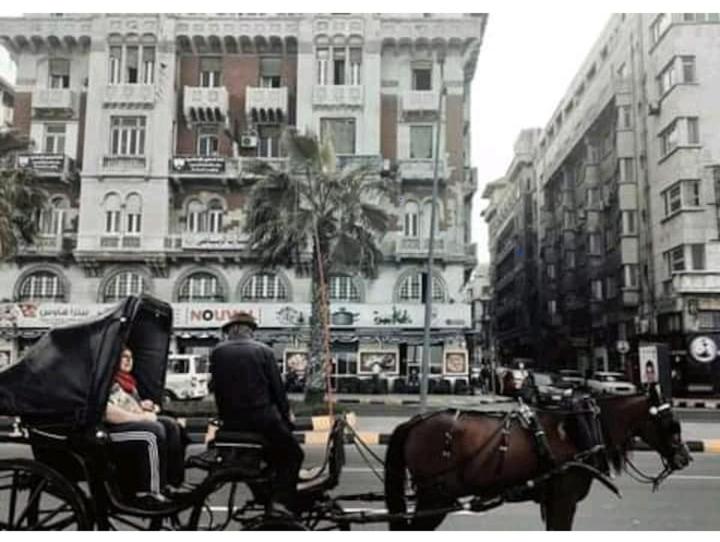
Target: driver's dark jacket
245, 376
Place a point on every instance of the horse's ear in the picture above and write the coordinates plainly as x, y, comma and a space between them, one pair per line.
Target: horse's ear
655, 393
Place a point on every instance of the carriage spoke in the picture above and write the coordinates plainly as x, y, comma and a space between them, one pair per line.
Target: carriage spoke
32, 500
13, 499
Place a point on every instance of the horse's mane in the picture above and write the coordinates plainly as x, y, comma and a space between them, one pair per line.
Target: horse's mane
616, 453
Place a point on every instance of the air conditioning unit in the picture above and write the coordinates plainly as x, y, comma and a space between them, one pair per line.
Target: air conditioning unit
248, 141
653, 108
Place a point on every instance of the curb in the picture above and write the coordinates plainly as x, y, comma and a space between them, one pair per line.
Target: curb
690, 403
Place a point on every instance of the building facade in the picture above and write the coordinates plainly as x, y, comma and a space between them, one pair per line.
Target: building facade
144, 126
628, 173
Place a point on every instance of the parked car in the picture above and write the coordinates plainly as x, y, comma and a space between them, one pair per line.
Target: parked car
571, 376
510, 381
187, 376
609, 383
550, 387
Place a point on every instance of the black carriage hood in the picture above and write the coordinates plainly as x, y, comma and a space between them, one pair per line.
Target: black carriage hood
65, 378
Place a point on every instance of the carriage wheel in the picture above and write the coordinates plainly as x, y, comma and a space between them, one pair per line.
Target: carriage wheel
267, 523
34, 497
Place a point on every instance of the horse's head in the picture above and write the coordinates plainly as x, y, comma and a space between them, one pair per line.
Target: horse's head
661, 431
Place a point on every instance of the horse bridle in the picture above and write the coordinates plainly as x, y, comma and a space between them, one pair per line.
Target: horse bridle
659, 414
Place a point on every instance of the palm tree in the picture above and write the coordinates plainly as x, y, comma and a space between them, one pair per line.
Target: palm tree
336, 213
21, 199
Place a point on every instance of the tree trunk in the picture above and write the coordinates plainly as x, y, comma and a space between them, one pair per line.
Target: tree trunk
315, 375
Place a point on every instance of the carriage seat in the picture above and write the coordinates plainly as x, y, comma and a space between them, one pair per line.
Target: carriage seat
233, 449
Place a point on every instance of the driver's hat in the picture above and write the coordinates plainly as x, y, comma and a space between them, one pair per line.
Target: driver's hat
242, 317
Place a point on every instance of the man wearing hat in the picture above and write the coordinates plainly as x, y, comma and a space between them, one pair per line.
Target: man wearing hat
250, 396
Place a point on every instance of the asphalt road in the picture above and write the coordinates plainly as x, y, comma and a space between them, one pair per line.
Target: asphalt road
687, 501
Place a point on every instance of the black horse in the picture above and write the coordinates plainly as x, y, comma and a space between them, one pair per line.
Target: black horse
451, 455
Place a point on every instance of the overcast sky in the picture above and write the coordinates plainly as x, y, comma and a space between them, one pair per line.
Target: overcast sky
525, 66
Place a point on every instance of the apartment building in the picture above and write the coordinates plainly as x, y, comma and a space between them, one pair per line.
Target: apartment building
628, 172
144, 125
512, 227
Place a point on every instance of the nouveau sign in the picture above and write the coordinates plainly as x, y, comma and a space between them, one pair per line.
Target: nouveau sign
268, 315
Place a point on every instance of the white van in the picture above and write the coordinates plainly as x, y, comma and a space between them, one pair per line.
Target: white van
187, 376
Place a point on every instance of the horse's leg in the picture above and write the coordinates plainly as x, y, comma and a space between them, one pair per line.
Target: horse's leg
559, 506
426, 502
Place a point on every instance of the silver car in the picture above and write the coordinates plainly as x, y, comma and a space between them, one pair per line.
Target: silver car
609, 383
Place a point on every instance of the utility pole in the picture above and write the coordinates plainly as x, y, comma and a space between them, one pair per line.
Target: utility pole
425, 372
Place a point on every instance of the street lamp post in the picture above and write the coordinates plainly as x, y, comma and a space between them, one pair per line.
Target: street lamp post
425, 372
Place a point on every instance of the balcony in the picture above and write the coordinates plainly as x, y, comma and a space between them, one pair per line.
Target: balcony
49, 245
118, 242
47, 165
207, 241
133, 96
61, 102
205, 104
124, 164
696, 283
266, 104
420, 101
338, 95
414, 246
372, 161
422, 170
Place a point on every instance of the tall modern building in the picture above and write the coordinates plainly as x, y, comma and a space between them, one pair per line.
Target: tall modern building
628, 173
143, 128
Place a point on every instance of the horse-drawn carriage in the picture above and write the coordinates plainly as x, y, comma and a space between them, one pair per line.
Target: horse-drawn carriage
60, 389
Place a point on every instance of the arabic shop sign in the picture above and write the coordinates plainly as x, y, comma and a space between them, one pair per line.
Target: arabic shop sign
54, 163
197, 164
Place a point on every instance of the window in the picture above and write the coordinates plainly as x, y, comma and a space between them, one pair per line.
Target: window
115, 64
593, 197
51, 220
341, 132
122, 285
551, 271
594, 243
659, 26
342, 288
127, 136
132, 64
204, 219
59, 73
666, 80
215, 214
338, 66
195, 222
54, 139
629, 222
268, 141
111, 205
210, 71
693, 131
266, 286
355, 65
207, 142
624, 117
552, 307
422, 78
684, 194
627, 170
676, 259
413, 288
688, 68
630, 276
270, 72
709, 319
596, 288
201, 286
610, 288
570, 259
133, 214
41, 285
322, 55
697, 253
421, 142
148, 65
669, 139
412, 211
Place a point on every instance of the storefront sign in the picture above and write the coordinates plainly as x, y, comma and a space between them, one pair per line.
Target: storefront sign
197, 164
43, 162
455, 362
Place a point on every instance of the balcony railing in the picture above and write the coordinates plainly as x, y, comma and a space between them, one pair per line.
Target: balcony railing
696, 283
338, 95
136, 95
207, 241
122, 164
421, 169
49, 244
56, 100
420, 100
205, 104
266, 104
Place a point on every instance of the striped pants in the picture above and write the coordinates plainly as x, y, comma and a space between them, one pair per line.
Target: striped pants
148, 455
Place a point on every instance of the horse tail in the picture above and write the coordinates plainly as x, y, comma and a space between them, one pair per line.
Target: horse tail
395, 476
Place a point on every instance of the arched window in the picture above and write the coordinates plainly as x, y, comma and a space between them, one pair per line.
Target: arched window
412, 288
215, 216
412, 216
201, 286
342, 288
426, 215
51, 220
133, 213
41, 286
195, 217
264, 286
112, 206
122, 285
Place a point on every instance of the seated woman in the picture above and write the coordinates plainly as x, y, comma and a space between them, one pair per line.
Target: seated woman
154, 443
